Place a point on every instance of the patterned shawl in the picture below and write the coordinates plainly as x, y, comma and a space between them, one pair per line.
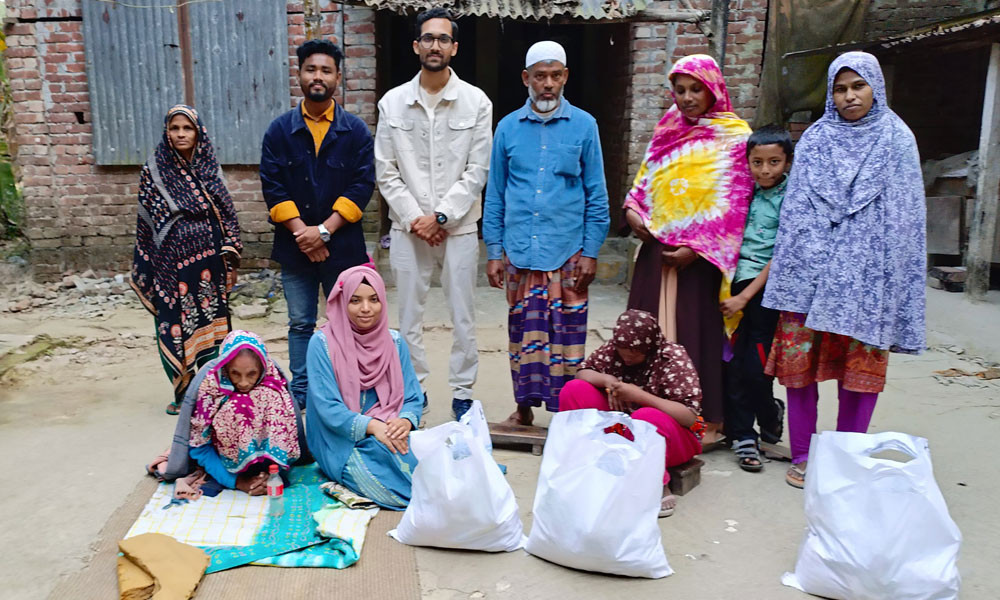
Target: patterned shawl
171, 189
851, 245
667, 371
363, 360
694, 186
246, 428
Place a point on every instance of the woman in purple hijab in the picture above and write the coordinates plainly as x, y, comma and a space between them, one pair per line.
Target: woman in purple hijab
849, 266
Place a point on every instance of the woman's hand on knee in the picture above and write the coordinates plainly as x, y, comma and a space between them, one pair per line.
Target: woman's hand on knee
255, 485
379, 430
398, 429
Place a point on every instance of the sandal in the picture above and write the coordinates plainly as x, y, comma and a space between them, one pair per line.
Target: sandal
667, 505
719, 442
796, 476
748, 456
774, 436
173, 408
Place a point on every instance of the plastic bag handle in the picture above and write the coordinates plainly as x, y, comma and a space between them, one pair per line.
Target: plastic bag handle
892, 440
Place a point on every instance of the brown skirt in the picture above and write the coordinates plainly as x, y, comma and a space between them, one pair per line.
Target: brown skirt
698, 321
801, 356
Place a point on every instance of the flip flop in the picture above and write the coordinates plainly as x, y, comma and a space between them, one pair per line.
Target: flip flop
795, 477
173, 409
666, 512
718, 443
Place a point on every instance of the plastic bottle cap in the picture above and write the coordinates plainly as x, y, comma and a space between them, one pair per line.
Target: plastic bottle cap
273, 469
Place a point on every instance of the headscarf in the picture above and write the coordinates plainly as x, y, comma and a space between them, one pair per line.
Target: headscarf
694, 186
246, 427
363, 360
667, 371
172, 189
851, 246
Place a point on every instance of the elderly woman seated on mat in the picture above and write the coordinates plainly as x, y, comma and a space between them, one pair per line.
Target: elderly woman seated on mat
639, 372
364, 397
237, 419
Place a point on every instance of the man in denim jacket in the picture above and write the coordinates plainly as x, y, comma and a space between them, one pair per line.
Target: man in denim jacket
317, 175
432, 155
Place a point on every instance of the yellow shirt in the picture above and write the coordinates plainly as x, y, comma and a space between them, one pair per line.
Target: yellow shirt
318, 126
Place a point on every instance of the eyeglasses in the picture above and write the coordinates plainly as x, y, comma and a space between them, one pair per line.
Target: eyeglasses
427, 41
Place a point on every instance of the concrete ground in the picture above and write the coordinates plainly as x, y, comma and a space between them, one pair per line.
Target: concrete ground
77, 425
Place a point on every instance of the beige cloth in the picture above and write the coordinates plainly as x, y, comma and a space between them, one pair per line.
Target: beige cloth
187, 487
158, 567
424, 166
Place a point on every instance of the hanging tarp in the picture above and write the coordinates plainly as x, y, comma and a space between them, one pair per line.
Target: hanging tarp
793, 84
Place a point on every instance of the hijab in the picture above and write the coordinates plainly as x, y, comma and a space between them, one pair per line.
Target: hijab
666, 372
245, 427
851, 246
694, 186
363, 359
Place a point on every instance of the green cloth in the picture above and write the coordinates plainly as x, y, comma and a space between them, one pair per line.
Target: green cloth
291, 539
760, 231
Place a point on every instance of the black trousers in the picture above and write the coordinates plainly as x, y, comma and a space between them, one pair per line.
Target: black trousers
749, 392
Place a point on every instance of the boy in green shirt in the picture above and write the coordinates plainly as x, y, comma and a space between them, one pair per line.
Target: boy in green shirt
749, 391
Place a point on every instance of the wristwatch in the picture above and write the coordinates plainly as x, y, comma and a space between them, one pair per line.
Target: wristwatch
323, 233
441, 218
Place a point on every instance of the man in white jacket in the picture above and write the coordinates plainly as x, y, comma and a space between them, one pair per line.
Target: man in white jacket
432, 155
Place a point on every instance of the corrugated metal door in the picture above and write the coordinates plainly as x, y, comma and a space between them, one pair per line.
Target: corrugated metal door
135, 72
240, 51
133, 75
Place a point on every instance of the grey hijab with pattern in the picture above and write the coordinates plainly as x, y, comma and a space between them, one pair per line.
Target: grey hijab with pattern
851, 245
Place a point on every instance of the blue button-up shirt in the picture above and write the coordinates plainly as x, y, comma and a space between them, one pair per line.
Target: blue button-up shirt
546, 198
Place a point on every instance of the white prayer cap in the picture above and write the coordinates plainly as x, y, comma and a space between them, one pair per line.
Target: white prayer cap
545, 51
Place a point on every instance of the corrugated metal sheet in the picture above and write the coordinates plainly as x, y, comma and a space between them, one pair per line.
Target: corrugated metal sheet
240, 51
134, 76
521, 9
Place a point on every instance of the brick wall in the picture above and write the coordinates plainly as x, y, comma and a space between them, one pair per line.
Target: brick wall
81, 215
656, 46
891, 17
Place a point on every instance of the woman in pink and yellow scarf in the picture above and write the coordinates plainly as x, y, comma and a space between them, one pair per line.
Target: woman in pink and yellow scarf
688, 205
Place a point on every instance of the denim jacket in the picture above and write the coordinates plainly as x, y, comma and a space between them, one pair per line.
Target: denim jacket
296, 181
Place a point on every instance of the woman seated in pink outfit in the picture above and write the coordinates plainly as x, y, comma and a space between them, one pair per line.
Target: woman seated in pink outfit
641, 373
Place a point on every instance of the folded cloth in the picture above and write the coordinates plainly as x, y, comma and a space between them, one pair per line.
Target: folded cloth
338, 521
157, 566
185, 488
345, 496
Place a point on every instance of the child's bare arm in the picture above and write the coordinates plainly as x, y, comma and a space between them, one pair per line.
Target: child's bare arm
735, 304
757, 284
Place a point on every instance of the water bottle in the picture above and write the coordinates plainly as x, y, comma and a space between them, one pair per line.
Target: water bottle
275, 493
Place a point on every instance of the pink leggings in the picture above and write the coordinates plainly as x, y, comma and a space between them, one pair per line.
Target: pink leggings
682, 444
855, 414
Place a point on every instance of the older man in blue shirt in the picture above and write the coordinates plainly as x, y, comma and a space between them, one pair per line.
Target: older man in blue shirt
545, 218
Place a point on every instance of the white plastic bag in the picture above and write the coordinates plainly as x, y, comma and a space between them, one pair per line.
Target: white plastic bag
876, 528
598, 496
460, 498
476, 419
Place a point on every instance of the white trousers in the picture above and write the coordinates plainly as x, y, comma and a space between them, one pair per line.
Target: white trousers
412, 261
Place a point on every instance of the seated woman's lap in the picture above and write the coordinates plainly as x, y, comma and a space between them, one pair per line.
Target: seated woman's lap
376, 473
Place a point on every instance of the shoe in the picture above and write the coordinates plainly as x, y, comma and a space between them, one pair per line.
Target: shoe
460, 407
424, 412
